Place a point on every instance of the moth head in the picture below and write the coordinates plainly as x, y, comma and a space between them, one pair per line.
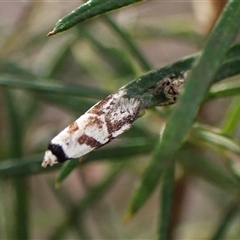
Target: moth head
49, 159
53, 155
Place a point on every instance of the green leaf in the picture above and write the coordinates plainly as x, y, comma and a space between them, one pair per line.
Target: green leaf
128, 149
130, 44
15, 127
185, 111
214, 137
17, 167
177, 27
232, 118
226, 221
21, 207
210, 171
225, 89
76, 213
228, 69
66, 169
166, 202
115, 56
70, 103
26, 166
87, 11
233, 52
49, 86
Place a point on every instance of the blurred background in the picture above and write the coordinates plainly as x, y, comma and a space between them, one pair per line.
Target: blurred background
94, 58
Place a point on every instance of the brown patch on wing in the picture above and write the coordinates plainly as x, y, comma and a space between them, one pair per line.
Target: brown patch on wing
90, 141
98, 108
73, 127
116, 125
94, 121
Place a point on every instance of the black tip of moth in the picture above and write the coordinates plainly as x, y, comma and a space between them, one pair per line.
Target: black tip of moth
58, 152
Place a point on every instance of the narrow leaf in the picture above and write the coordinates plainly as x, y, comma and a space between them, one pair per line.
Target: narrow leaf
46, 85
225, 89
26, 166
66, 169
226, 221
215, 137
21, 207
232, 117
210, 171
131, 45
115, 56
166, 202
87, 11
123, 151
94, 195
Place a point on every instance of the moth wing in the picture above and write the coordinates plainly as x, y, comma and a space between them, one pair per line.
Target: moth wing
121, 116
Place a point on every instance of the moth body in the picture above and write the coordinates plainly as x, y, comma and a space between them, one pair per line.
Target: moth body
99, 125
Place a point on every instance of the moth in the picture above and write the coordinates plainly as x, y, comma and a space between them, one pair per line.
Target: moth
104, 121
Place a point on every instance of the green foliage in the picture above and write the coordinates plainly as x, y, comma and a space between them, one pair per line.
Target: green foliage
80, 67
90, 9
